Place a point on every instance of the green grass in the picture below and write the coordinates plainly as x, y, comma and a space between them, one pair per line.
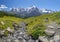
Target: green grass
34, 23
8, 21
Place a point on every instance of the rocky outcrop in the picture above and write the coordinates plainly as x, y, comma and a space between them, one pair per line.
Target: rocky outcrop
20, 35
53, 32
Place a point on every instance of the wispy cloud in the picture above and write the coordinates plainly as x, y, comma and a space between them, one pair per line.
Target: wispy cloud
3, 6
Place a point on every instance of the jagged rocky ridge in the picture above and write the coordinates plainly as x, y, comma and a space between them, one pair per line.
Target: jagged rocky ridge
30, 11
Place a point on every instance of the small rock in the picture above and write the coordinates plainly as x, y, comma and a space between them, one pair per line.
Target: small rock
23, 24
9, 29
57, 38
52, 40
2, 32
2, 23
36, 41
51, 26
43, 39
0, 40
49, 32
16, 40
23, 40
46, 20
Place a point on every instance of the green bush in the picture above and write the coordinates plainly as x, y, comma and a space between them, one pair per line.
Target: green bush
38, 30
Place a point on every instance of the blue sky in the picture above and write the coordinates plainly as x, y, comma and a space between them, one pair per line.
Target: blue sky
48, 4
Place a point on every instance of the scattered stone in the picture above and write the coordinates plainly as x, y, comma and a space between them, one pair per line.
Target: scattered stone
57, 38
43, 39
2, 32
22, 24
19, 35
23, 40
49, 32
53, 30
16, 40
0, 40
9, 29
51, 26
15, 26
36, 41
2, 23
52, 40
46, 20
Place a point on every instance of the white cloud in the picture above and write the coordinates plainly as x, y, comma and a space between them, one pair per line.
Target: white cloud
3, 6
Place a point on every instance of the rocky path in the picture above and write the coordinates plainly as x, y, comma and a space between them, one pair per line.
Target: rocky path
19, 35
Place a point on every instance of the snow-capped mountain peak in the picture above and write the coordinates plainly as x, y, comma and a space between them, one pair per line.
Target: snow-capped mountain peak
46, 11
30, 11
33, 10
31, 7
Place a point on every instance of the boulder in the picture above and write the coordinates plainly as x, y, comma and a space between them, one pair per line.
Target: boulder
49, 32
43, 38
36, 41
50, 26
0, 40
52, 40
23, 40
2, 32
57, 38
16, 40
26, 37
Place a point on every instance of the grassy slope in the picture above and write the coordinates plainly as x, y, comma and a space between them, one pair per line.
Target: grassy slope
8, 20
32, 21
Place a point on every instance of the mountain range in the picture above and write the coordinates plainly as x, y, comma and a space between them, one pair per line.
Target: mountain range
29, 11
